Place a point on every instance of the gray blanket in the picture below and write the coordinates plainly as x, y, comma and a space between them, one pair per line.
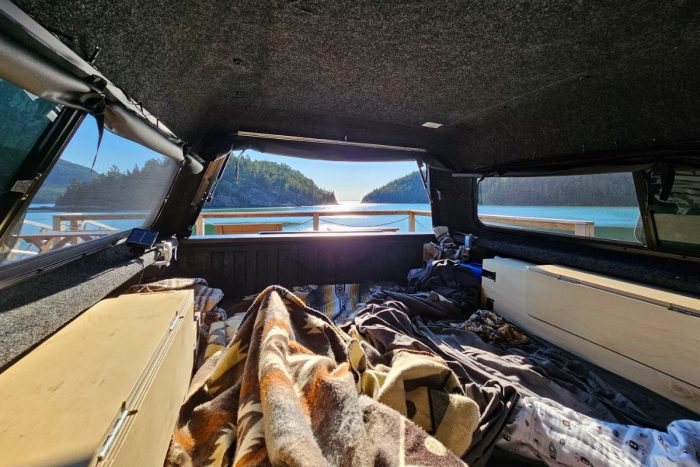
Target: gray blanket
497, 374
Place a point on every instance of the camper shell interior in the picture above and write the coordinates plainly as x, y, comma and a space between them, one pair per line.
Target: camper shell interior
516, 89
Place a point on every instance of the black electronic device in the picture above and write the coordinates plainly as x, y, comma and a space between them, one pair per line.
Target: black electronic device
142, 238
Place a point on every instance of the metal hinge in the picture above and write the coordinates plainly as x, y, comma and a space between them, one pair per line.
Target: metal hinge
174, 321
114, 433
24, 186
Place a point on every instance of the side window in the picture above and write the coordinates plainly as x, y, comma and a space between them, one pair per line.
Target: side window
674, 204
86, 197
600, 206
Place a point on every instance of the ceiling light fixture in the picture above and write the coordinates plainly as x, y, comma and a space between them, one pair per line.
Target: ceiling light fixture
432, 125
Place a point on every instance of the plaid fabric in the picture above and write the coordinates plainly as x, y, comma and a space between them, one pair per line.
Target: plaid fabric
338, 301
221, 333
291, 388
422, 388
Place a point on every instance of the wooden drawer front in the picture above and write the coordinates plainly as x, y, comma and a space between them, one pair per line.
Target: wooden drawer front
154, 406
59, 403
508, 288
661, 338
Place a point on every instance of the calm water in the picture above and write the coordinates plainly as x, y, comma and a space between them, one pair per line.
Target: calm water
610, 222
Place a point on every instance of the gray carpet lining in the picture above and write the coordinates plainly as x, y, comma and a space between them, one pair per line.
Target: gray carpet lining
510, 80
33, 310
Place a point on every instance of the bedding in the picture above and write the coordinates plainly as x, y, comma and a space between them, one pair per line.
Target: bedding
292, 388
545, 430
337, 301
389, 375
535, 367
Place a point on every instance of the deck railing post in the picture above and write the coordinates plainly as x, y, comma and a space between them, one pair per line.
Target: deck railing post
317, 222
411, 221
199, 225
57, 223
585, 229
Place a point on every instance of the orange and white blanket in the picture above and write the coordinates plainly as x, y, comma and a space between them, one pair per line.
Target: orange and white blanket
292, 388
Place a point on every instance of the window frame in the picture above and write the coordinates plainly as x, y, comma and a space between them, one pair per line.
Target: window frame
45, 154
38, 163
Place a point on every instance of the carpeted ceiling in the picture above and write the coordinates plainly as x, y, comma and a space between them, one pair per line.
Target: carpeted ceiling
510, 80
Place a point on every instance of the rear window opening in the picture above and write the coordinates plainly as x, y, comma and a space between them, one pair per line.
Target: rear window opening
262, 193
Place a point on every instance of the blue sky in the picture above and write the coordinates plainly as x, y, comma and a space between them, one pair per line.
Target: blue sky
350, 180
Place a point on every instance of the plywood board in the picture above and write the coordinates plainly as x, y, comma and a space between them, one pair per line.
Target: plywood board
661, 297
661, 338
58, 401
511, 300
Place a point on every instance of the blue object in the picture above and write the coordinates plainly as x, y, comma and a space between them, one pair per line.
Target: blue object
473, 267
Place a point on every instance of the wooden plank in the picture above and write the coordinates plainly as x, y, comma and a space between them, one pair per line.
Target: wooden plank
509, 290
511, 300
200, 226
145, 437
227, 229
665, 340
583, 228
646, 293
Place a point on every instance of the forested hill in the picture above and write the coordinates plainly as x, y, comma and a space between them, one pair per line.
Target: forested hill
407, 189
120, 190
580, 190
60, 177
267, 184
258, 184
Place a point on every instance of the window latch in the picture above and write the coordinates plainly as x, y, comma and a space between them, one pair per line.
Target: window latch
24, 186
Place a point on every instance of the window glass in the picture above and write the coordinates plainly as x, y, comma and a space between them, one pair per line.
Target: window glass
23, 119
676, 214
84, 197
601, 205
267, 193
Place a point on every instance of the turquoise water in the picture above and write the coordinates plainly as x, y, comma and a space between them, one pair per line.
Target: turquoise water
332, 223
610, 222
614, 223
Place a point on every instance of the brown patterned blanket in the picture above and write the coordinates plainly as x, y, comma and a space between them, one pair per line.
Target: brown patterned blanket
292, 388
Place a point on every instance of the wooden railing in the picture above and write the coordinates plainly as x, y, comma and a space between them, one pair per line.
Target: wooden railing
582, 228
314, 215
77, 221
55, 236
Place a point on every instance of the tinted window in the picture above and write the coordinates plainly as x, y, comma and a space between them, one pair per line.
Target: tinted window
601, 206
23, 119
676, 209
86, 197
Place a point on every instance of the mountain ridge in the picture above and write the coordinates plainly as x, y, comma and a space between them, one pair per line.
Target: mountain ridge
612, 189
245, 183
406, 189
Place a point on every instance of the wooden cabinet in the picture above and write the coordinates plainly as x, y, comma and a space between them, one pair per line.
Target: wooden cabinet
106, 388
645, 334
